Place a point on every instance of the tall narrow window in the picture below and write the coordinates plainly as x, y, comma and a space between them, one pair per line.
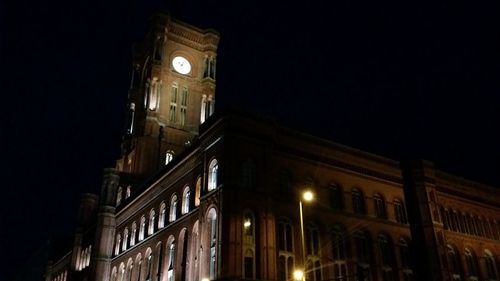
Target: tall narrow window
161, 216
173, 208
128, 192
169, 156
133, 234
142, 228
358, 201
471, 263
151, 224
173, 103
454, 263
125, 239
212, 222
118, 243
184, 102
491, 268
336, 197
204, 111
197, 192
312, 250
213, 169
247, 177
186, 197
339, 253
400, 212
248, 245
119, 196
154, 94
149, 265
379, 203
171, 259
405, 258
387, 254
363, 246
286, 253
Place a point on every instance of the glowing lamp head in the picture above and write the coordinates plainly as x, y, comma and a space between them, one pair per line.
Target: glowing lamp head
298, 274
308, 196
205, 279
247, 224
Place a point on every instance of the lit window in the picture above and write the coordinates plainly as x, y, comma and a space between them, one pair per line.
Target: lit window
169, 156
133, 234
171, 260
186, 197
184, 101
118, 243
125, 239
119, 196
212, 222
212, 175
151, 224
173, 208
142, 227
197, 192
173, 103
161, 218
248, 245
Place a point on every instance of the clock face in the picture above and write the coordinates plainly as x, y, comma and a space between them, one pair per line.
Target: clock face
181, 65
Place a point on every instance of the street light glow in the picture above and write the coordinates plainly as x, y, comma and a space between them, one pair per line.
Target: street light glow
298, 274
247, 224
308, 196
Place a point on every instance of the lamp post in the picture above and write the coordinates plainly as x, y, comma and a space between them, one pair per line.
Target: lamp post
307, 196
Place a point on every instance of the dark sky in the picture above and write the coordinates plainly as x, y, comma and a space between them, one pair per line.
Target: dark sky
399, 79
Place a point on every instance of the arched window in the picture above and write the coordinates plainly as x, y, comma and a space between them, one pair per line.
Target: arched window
151, 224
171, 259
186, 197
121, 272
453, 262
118, 243
400, 211
363, 248
213, 169
248, 245
387, 257
169, 156
128, 269
173, 103
471, 263
133, 234
197, 192
286, 253
336, 197
358, 201
125, 239
161, 217
158, 261
114, 274
212, 222
313, 268
173, 208
379, 204
119, 196
405, 259
138, 268
142, 228
128, 192
339, 253
491, 268
149, 264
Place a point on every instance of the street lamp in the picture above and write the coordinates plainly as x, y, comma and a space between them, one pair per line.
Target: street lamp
307, 196
298, 275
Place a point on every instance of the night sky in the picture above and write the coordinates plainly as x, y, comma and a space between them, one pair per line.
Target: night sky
403, 80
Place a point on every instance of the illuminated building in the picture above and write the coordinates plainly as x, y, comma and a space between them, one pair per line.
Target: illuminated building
202, 196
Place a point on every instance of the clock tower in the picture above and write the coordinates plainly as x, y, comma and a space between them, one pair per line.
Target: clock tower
171, 93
